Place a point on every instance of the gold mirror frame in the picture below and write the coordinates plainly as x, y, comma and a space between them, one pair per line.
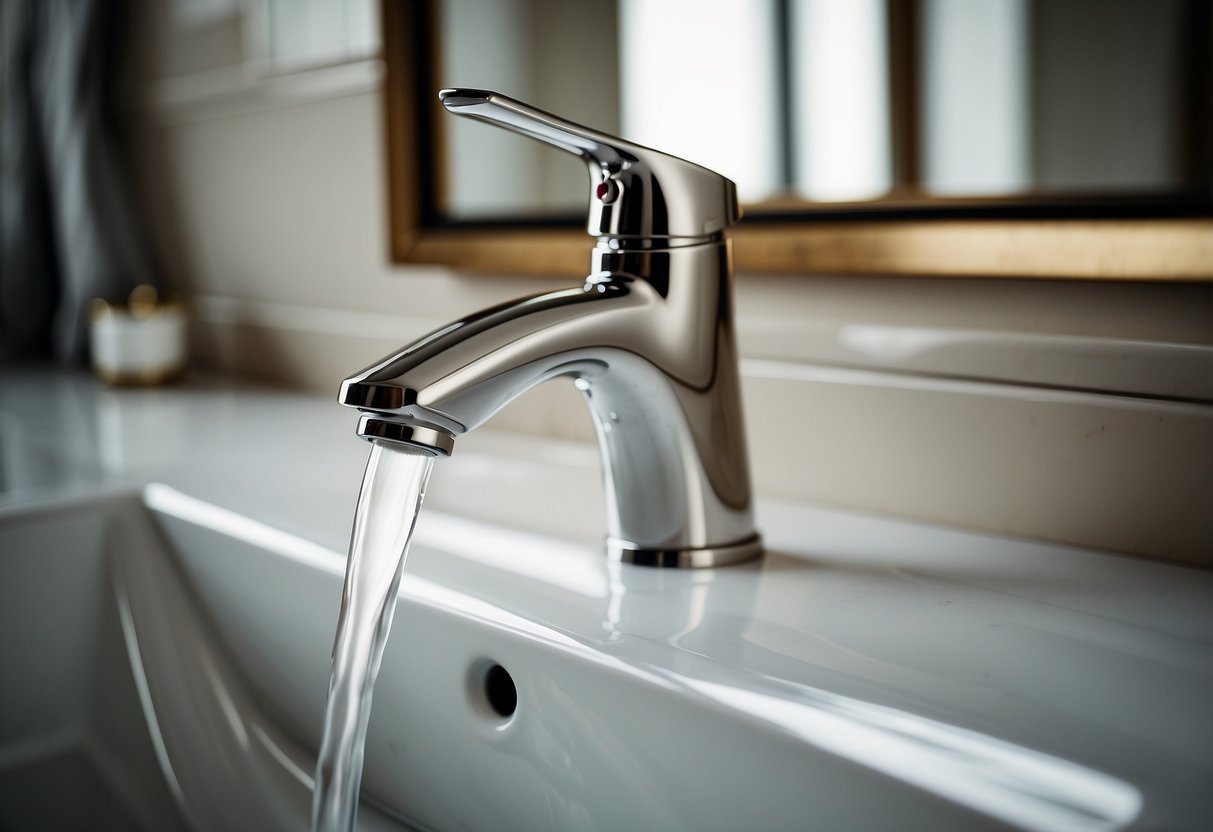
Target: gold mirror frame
1160, 249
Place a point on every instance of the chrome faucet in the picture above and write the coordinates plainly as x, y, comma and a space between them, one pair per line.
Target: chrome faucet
648, 340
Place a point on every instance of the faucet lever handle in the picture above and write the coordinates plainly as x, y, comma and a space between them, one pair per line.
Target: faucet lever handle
635, 191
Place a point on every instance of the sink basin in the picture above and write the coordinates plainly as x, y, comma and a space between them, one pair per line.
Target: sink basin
166, 659
75, 752
123, 709
175, 661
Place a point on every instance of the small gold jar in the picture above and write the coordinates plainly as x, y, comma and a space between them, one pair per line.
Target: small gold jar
140, 341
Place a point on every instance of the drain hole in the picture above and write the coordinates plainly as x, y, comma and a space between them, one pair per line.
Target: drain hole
500, 691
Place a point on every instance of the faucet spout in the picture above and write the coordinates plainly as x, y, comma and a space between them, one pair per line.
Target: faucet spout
458, 376
648, 341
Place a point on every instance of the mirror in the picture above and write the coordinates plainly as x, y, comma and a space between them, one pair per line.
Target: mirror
1092, 107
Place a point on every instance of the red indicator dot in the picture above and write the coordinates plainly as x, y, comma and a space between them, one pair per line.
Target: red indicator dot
606, 191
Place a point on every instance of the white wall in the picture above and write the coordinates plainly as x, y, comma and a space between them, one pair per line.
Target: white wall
965, 402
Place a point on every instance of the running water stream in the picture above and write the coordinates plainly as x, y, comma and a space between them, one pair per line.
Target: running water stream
391, 495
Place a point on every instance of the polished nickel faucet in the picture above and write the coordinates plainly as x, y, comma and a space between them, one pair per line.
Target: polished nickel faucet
648, 340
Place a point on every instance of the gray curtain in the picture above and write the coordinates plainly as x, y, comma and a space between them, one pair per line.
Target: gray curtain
68, 228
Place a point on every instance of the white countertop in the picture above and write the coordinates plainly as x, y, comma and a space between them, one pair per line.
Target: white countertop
1093, 658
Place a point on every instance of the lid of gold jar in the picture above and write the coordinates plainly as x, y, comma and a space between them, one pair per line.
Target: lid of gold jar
143, 303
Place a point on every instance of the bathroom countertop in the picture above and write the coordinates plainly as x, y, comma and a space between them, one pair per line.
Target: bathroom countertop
1097, 659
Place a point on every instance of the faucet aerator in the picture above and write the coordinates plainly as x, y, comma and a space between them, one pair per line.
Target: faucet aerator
427, 439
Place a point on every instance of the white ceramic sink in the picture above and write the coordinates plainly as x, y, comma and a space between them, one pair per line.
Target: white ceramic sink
74, 748
867, 674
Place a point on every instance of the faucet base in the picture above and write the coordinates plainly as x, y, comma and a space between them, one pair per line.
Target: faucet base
621, 551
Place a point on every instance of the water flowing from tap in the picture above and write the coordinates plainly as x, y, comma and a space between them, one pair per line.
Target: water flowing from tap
392, 491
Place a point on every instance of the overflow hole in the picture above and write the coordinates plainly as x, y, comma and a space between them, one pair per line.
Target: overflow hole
500, 691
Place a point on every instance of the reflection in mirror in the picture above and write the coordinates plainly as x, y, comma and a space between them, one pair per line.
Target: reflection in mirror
1052, 96
558, 55
805, 102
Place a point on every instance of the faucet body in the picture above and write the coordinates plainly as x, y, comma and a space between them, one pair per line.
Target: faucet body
649, 341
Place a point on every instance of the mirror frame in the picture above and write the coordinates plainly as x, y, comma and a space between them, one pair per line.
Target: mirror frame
1138, 240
